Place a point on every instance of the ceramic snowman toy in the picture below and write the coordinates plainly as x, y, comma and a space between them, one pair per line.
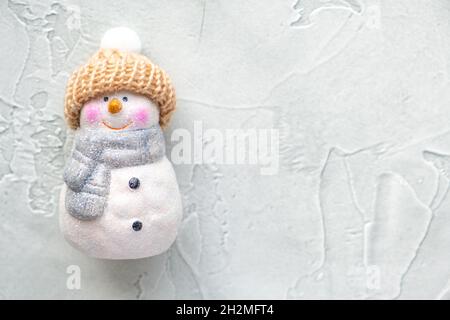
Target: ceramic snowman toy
121, 198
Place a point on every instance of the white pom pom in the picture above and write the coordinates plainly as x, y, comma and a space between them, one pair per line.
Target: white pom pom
121, 38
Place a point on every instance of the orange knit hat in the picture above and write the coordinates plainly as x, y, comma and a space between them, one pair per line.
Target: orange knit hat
113, 68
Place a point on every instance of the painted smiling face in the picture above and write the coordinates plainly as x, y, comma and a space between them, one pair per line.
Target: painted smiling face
118, 111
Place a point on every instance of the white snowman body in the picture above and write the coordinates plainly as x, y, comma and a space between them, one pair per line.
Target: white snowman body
143, 208
136, 223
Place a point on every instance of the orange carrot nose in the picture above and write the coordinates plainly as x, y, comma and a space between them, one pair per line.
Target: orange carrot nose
114, 106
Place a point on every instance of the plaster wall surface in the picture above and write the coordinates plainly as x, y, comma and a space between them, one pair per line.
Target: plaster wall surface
357, 92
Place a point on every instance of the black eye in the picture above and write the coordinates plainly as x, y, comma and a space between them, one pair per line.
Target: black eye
105, 99
125, 99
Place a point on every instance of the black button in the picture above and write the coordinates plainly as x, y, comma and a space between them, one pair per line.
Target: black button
134, 183
137, 225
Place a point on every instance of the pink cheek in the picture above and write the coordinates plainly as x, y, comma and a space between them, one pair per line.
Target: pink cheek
92, 113
141, 116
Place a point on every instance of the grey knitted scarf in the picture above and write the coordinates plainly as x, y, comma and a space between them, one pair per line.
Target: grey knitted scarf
88, 171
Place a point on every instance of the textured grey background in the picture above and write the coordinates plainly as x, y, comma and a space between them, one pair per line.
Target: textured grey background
358, 90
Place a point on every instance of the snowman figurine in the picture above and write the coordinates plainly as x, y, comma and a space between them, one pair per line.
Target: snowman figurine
121, 198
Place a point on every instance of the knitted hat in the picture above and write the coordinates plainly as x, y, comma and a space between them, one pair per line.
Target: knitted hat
118, 66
